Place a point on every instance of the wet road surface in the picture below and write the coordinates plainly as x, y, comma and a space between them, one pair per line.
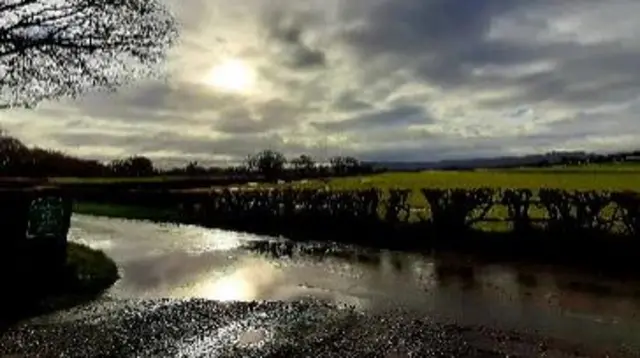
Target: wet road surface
188, 291
204, 328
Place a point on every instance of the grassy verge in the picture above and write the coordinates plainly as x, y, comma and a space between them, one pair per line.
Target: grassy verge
87, 274
91, 271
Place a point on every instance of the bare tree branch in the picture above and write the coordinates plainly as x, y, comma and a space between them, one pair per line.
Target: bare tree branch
56, 48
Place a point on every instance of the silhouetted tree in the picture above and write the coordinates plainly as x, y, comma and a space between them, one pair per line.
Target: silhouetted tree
50, 49
269, 163
16, 159
194, 169
344, 165
303, 165
135, 166
12, 154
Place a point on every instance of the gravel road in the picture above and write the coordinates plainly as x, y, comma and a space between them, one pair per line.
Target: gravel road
203, 328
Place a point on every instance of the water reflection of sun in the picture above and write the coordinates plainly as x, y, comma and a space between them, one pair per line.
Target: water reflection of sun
250, 280
231, 288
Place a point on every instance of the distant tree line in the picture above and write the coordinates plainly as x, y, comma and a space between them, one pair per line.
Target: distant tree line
19, 160
273, 165
554, 159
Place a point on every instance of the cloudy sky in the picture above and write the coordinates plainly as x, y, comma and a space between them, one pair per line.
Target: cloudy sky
379, 79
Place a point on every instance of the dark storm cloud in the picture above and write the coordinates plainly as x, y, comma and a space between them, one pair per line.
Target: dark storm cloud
396, 117
430, 29
287, 33
443, 41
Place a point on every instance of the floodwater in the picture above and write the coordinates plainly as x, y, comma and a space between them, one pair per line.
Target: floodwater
171, 261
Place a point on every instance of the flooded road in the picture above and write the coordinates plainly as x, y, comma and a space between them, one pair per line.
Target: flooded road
168, 261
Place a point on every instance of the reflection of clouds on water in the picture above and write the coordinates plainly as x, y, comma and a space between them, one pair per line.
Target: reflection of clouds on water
143, 238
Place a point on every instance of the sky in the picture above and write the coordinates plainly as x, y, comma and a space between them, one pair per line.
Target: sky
405, 80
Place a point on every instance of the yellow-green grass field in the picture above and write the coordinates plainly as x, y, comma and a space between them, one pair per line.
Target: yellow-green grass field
496, 179
481, 178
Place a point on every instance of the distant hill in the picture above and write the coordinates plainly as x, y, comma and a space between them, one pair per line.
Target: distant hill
536, 160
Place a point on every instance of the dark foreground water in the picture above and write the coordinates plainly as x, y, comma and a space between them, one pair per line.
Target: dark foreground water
161, 262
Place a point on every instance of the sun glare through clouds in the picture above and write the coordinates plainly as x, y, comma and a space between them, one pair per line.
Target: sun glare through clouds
231, 76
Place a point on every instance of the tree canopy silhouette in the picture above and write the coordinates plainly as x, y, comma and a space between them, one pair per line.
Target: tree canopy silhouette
269, 163
62, 48
134, 166
303, 165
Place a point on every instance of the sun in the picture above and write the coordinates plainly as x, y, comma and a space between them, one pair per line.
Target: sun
231, 76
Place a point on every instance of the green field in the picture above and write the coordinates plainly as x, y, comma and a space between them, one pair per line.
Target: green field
612, 176
587, 180
624, 176
495, 179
